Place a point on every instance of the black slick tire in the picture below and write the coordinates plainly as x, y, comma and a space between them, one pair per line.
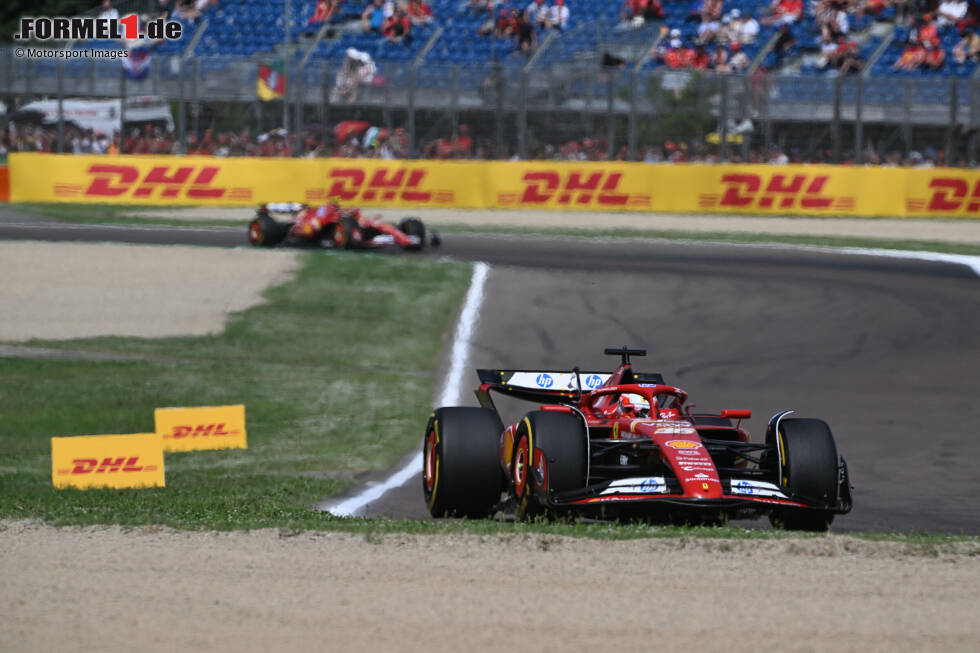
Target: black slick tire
263, 231
554, 447
461, 475
413, 227
807, 469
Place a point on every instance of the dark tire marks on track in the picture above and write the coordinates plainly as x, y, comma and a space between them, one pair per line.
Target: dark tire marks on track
886, 350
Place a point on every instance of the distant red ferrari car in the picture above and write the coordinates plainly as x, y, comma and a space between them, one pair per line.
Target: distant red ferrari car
627, 445
332, 226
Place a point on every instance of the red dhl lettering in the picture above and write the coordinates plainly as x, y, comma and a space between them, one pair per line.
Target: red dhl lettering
199, 430
950, 194
186, 181
782, 191
575, 188
383, 184
107, 466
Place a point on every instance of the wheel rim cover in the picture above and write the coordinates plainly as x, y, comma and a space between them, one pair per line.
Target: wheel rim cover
430, 461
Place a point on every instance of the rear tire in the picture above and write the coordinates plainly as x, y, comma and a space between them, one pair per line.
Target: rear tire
556, 451
461, 474
263, 231
808, 472
346, 233
413, 227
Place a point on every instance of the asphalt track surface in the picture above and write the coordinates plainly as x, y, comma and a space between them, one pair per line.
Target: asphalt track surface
884, 349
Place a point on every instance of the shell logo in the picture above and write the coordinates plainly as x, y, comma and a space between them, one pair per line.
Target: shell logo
682, 444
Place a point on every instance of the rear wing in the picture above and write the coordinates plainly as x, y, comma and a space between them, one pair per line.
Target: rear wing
550, 386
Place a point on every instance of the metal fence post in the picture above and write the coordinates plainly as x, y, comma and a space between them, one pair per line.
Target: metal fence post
298, 110
723, 131
954, 102
835, 138
122, 99
907, 116
181, 110
454, 102
196, 104
611, 118
634, 81
522, 119
411, 112
325, 104
61, 106
499, 117
971, 155
858, 121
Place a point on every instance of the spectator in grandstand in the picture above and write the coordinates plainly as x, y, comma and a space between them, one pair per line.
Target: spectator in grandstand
634, 13
556, 16
526, 37
968, 47
504, 27
463, 144
700, 60
783, 12
829, 52
911, 58
848, 56
162, 10
785, 42
108, 11
708, 30
322, 12
833, 23
719, 60
742, 30
950, 12
935, 57
874, 8
420, 13
711, 11
373, 18
398, 27
739, 61
534, 12
925, 31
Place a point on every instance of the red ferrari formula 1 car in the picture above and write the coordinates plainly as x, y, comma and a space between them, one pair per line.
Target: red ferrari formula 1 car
333, 227
626, 445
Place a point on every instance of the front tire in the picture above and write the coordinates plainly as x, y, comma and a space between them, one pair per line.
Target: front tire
413, 227
461, 474
552, 447
807, 468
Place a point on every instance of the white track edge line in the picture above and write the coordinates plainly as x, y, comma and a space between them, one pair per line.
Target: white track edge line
459, 359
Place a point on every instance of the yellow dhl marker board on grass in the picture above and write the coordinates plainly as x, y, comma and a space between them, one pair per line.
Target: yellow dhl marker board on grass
202, 427
114, 461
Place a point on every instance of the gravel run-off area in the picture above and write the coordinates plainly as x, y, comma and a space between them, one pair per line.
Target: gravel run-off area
105, 589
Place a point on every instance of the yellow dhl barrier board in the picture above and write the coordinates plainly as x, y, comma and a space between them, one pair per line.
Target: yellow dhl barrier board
113, 461
201, 427
557, 185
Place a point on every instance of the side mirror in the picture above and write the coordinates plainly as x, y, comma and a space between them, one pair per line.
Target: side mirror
736, 414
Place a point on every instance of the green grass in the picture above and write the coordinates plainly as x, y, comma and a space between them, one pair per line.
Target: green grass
723, 237
336, 372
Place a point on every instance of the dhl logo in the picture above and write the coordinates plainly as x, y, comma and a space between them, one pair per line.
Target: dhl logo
199, 431
573, 189
744, 190
383, 184
187, 181
107, 466
949, 195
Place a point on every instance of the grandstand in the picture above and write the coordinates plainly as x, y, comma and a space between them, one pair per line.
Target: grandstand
601, 71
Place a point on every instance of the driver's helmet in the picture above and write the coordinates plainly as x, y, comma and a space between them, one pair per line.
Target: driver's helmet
633, 405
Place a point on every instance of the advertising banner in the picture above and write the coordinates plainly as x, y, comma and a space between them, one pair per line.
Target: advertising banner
595, 186
201, 427
110, 461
